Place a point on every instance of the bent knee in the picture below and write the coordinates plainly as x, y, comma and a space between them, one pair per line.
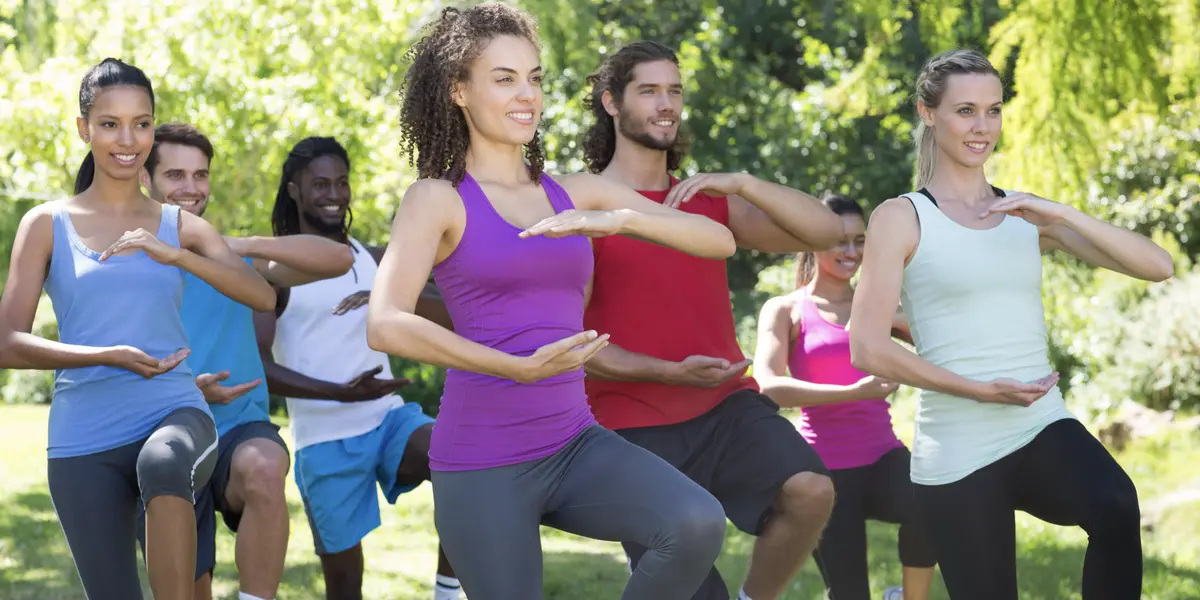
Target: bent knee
697, 526
168, 466
1117, 510
806, 495
262, 475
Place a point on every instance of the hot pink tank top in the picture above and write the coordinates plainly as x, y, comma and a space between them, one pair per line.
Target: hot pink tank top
846, 434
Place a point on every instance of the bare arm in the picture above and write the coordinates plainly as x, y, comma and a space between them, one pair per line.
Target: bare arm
294, 259
419, 235
1107, 246
208, 257
614, 363
770, 217
648, 220
430, 304
19, 349
281, 380
771, 365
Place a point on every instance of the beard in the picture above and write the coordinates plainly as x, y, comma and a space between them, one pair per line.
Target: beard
635, 131
324, 227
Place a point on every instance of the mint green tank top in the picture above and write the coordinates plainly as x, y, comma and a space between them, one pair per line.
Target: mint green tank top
973, 299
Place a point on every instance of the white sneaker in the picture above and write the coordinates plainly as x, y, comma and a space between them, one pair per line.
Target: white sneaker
895, 593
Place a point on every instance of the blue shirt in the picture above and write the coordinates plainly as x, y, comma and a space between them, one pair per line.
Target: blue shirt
220, 332
124, 301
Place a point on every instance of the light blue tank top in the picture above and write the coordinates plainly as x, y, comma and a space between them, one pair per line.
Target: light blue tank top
123, 301
220, 334
973, 298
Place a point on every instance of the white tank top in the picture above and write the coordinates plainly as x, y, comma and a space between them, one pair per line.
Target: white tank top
973, 299
311, 340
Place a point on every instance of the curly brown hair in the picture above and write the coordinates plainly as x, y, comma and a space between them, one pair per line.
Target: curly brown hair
614, 75
433, 129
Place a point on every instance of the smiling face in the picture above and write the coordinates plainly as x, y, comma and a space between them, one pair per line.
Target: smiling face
967, 120
650, 108
502, 95
120, 129
843, 260
321, 191
180, 178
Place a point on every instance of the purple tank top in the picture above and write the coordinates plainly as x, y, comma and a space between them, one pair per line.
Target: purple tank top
846, 434
515, 295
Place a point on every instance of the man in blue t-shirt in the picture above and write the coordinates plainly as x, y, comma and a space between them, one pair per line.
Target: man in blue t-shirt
247, 486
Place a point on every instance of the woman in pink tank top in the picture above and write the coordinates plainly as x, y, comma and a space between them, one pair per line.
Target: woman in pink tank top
844, 414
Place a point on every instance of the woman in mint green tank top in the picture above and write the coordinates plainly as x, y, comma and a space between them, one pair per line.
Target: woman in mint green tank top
963, 260
127, 422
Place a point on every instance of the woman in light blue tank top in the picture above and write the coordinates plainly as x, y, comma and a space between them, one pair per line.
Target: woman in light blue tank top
992, 432
507, 245
127, 420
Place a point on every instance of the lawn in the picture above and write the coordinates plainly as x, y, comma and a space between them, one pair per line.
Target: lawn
35, 564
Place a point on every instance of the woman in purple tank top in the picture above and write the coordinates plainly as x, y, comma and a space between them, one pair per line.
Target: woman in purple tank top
844, 414
515, 445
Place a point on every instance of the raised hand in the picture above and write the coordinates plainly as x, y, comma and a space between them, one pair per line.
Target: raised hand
136, 361
1036, 210
351, 302
706, 371
559, 357
145, 241
875, 387
215, 393
365, 386
589, 223
713, 184
1018, 393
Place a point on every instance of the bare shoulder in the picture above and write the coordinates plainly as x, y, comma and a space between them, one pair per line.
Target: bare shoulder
583, 186
38, 222
894, 212
431, 198
777, 307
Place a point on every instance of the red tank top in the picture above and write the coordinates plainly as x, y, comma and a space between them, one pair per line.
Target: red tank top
663, 303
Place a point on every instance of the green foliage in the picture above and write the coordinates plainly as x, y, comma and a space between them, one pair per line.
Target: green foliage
812, 93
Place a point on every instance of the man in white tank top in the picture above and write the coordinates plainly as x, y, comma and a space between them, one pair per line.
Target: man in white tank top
350, 429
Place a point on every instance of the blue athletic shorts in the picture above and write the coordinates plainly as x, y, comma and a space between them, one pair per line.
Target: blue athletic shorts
337, 479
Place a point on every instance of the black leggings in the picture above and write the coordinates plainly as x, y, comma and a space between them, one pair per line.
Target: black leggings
1065, 477
881, 491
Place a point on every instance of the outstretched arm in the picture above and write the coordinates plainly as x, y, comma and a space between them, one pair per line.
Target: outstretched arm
294, 260
423, 222
207, 256
771, 366
892, 238
766, 216
1100, 244
642, 218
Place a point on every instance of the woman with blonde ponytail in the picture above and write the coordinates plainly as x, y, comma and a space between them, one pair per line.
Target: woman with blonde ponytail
803, 361
993, 435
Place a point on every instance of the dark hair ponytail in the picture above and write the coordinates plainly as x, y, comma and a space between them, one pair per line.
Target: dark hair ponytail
109, 72
806, 265
87, 172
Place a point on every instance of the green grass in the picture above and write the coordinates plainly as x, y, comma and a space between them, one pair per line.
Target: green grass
35, 564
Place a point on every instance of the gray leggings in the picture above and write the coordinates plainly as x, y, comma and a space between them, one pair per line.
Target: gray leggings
598, 486
96, 497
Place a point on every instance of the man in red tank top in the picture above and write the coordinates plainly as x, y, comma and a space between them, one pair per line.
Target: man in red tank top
673, 378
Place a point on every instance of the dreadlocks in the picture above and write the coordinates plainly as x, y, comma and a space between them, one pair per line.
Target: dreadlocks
285, 218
